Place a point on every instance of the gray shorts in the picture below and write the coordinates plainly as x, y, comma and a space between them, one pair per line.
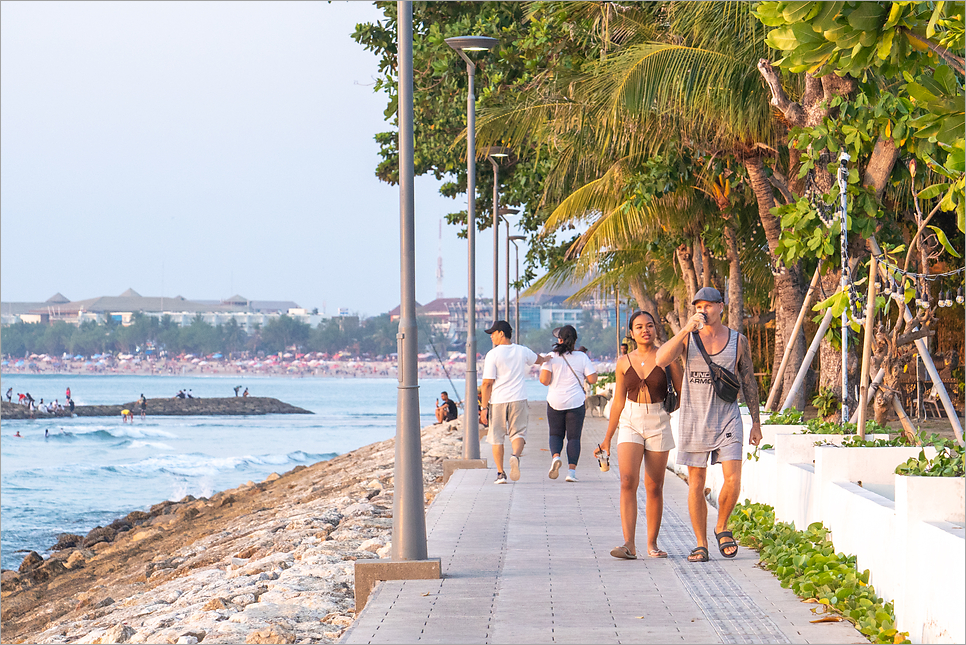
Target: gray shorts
507, 420
729, 452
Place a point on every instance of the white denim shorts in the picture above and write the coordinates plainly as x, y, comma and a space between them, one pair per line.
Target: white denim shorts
646, 424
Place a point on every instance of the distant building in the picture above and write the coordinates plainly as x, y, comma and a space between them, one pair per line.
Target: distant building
122, 308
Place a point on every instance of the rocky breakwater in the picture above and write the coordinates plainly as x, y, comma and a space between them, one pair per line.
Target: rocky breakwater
270, 562
229, 406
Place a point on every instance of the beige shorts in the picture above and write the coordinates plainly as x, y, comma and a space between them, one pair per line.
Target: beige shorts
646, 424
507, 419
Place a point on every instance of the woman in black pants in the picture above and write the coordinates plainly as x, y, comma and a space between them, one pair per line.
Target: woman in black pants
565, 373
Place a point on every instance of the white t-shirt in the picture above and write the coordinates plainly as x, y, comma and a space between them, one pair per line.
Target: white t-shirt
508, 366
566, 391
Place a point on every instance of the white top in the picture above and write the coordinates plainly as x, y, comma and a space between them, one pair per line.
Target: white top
566, 391
508, 366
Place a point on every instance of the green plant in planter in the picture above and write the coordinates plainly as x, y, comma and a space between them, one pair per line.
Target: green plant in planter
788, 417
603, 379
826, 402
754, 455
948, 462
806, 563
817, 426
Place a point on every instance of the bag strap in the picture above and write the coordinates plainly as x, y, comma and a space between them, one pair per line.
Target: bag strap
704, 352
580, 381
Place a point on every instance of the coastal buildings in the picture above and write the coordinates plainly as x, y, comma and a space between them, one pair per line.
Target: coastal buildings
182, 311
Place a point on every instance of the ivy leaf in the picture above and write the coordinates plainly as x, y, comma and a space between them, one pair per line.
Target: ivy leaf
945, 241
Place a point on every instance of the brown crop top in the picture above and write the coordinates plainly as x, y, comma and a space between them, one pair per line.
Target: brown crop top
656, 384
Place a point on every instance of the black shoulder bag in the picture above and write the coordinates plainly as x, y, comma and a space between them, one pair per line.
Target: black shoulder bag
671, 400
726, 384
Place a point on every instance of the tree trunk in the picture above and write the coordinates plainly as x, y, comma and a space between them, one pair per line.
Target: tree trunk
706, 264
646, 303
789, 290
736, 304
684, 256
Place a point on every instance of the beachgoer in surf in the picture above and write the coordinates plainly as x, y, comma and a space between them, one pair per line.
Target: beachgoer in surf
46, 433
17, 433
126, 416
68, 393
143, 404
70, 402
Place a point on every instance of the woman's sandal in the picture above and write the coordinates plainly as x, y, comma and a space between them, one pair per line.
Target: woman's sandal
699, 554
622, 553
656, 553
726, 545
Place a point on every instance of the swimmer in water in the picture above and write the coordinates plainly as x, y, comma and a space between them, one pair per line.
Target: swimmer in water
17, 434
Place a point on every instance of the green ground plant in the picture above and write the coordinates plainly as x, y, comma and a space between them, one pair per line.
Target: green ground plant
826, 402
806, 563
791, 416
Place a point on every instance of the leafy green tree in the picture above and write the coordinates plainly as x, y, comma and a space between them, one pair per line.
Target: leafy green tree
284, 332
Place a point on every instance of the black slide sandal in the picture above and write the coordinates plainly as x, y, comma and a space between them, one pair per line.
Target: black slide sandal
726, 545
699, 551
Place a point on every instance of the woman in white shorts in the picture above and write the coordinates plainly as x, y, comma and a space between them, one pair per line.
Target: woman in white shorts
643, 433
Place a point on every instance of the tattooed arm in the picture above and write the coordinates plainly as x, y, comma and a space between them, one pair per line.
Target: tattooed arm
749, 386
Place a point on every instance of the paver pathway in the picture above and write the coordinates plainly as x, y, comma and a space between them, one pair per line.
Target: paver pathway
529, 562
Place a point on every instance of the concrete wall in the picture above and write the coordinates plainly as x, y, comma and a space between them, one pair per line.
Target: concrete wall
914, 547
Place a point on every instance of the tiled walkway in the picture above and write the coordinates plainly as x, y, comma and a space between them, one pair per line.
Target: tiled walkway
530, 562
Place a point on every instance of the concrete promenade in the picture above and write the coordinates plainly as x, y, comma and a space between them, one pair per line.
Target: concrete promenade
529, 562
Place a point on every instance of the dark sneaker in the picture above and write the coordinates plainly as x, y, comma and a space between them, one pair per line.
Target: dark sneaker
514, 468
500, 478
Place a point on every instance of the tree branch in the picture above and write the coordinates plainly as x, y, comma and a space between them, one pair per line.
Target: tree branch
778, 181
905, 339
955, 61
793, 111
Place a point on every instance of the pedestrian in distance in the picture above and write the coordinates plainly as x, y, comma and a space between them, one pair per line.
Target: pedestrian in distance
445, 411
503, 399
143, 406
710, 422
643, 427
237, 389
565, 373
9, 394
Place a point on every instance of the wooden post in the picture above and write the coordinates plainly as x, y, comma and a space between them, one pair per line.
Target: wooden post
776, 378
867, 346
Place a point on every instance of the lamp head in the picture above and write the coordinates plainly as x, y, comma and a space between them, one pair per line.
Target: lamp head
472, 43
496, 152
509, 211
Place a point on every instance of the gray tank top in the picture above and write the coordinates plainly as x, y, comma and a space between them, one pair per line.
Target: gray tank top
707, 422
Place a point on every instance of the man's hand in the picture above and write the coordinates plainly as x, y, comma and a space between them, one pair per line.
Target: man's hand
483, 415
695, 322
755, 437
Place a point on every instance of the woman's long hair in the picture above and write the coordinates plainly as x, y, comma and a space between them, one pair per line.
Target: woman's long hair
566, 340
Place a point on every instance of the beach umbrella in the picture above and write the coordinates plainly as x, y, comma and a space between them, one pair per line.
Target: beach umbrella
195, 360
216, 356
286, 355
78, 358
5, 363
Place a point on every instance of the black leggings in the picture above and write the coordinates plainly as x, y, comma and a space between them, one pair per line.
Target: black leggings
570, 423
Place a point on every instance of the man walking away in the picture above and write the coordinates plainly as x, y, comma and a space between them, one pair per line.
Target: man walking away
503, 404
710, 425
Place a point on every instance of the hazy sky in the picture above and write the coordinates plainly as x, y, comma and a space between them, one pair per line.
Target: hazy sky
204, 149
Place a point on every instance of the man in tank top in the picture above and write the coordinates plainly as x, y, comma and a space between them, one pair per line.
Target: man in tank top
708, 425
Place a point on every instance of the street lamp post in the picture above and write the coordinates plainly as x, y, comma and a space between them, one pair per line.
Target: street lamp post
409, 549
516, 306
495, 153
508, 211
471, 424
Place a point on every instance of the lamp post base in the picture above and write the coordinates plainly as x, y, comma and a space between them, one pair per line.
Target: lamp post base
450, 466
369, 572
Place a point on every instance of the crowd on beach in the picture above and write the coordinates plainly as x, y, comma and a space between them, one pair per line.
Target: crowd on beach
289, 364
32, 405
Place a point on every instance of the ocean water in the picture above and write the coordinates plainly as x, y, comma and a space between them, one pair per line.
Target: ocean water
92, 470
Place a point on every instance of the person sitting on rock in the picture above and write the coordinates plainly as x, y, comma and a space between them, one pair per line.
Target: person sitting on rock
445, 411
245, 393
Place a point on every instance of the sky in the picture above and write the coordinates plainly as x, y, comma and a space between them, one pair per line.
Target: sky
205, 150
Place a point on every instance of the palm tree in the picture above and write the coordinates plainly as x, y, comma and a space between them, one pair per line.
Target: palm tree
683, 74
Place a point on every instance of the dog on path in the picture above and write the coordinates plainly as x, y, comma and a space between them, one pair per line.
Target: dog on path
597, 403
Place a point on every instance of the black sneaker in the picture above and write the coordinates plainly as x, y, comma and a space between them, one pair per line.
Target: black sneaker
500, 478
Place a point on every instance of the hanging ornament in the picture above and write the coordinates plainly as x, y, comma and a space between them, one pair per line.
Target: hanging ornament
878, 285
959, 296
918, 297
